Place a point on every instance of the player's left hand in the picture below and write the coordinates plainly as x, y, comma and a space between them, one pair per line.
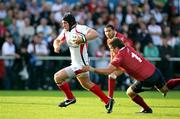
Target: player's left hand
88, 68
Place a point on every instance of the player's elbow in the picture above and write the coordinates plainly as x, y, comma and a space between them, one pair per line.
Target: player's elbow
55, 43
58, 79
96, 34
92, 35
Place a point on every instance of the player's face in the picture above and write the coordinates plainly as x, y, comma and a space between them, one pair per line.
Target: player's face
65, 25
109, 32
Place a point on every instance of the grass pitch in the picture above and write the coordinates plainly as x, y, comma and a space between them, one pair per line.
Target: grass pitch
43, 105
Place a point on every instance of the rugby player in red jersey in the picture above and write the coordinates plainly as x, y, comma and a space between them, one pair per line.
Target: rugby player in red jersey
146, 74
110, 33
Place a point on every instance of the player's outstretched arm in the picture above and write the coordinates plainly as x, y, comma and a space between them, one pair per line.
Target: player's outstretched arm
105, 71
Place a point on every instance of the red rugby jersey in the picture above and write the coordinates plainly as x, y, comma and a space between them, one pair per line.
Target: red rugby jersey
133, 63
124, 39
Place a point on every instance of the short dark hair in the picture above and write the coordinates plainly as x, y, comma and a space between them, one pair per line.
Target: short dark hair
116, 42
70, 19
109, 26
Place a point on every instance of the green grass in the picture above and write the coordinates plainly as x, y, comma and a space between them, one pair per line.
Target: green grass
43, 105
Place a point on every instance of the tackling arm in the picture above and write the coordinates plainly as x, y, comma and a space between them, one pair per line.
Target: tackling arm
105, 71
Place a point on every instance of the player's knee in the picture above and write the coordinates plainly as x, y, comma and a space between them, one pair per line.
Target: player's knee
57, 79
130, 92
164, 89
113, 76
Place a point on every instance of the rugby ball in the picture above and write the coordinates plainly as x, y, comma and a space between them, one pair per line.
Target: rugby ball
72, 38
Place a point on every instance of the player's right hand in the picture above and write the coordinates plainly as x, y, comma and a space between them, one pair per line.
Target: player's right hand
109, 41
79, 39
86, 68
57, 49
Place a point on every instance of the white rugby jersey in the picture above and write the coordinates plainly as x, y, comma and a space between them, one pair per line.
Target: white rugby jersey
79, 55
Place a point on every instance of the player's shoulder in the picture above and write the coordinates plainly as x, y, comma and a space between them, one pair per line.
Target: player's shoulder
63, 31
124, 50
120, 35
131, 48
62, 35
81, 27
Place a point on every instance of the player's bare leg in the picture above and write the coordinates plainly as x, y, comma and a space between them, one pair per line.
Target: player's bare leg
59, 78
89, 85
138, 100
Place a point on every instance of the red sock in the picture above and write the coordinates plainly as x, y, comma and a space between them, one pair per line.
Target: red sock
111, 87
173, 83
65, 88
97, 91
139, 100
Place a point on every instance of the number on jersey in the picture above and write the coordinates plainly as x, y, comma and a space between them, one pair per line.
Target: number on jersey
136, 57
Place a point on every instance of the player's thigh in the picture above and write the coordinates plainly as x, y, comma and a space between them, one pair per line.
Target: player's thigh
140, 86
160, 83
63, 74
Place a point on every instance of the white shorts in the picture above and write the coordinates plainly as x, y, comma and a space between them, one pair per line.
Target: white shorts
74, 71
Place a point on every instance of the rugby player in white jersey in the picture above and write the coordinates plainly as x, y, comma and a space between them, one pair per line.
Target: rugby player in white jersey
79, 58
